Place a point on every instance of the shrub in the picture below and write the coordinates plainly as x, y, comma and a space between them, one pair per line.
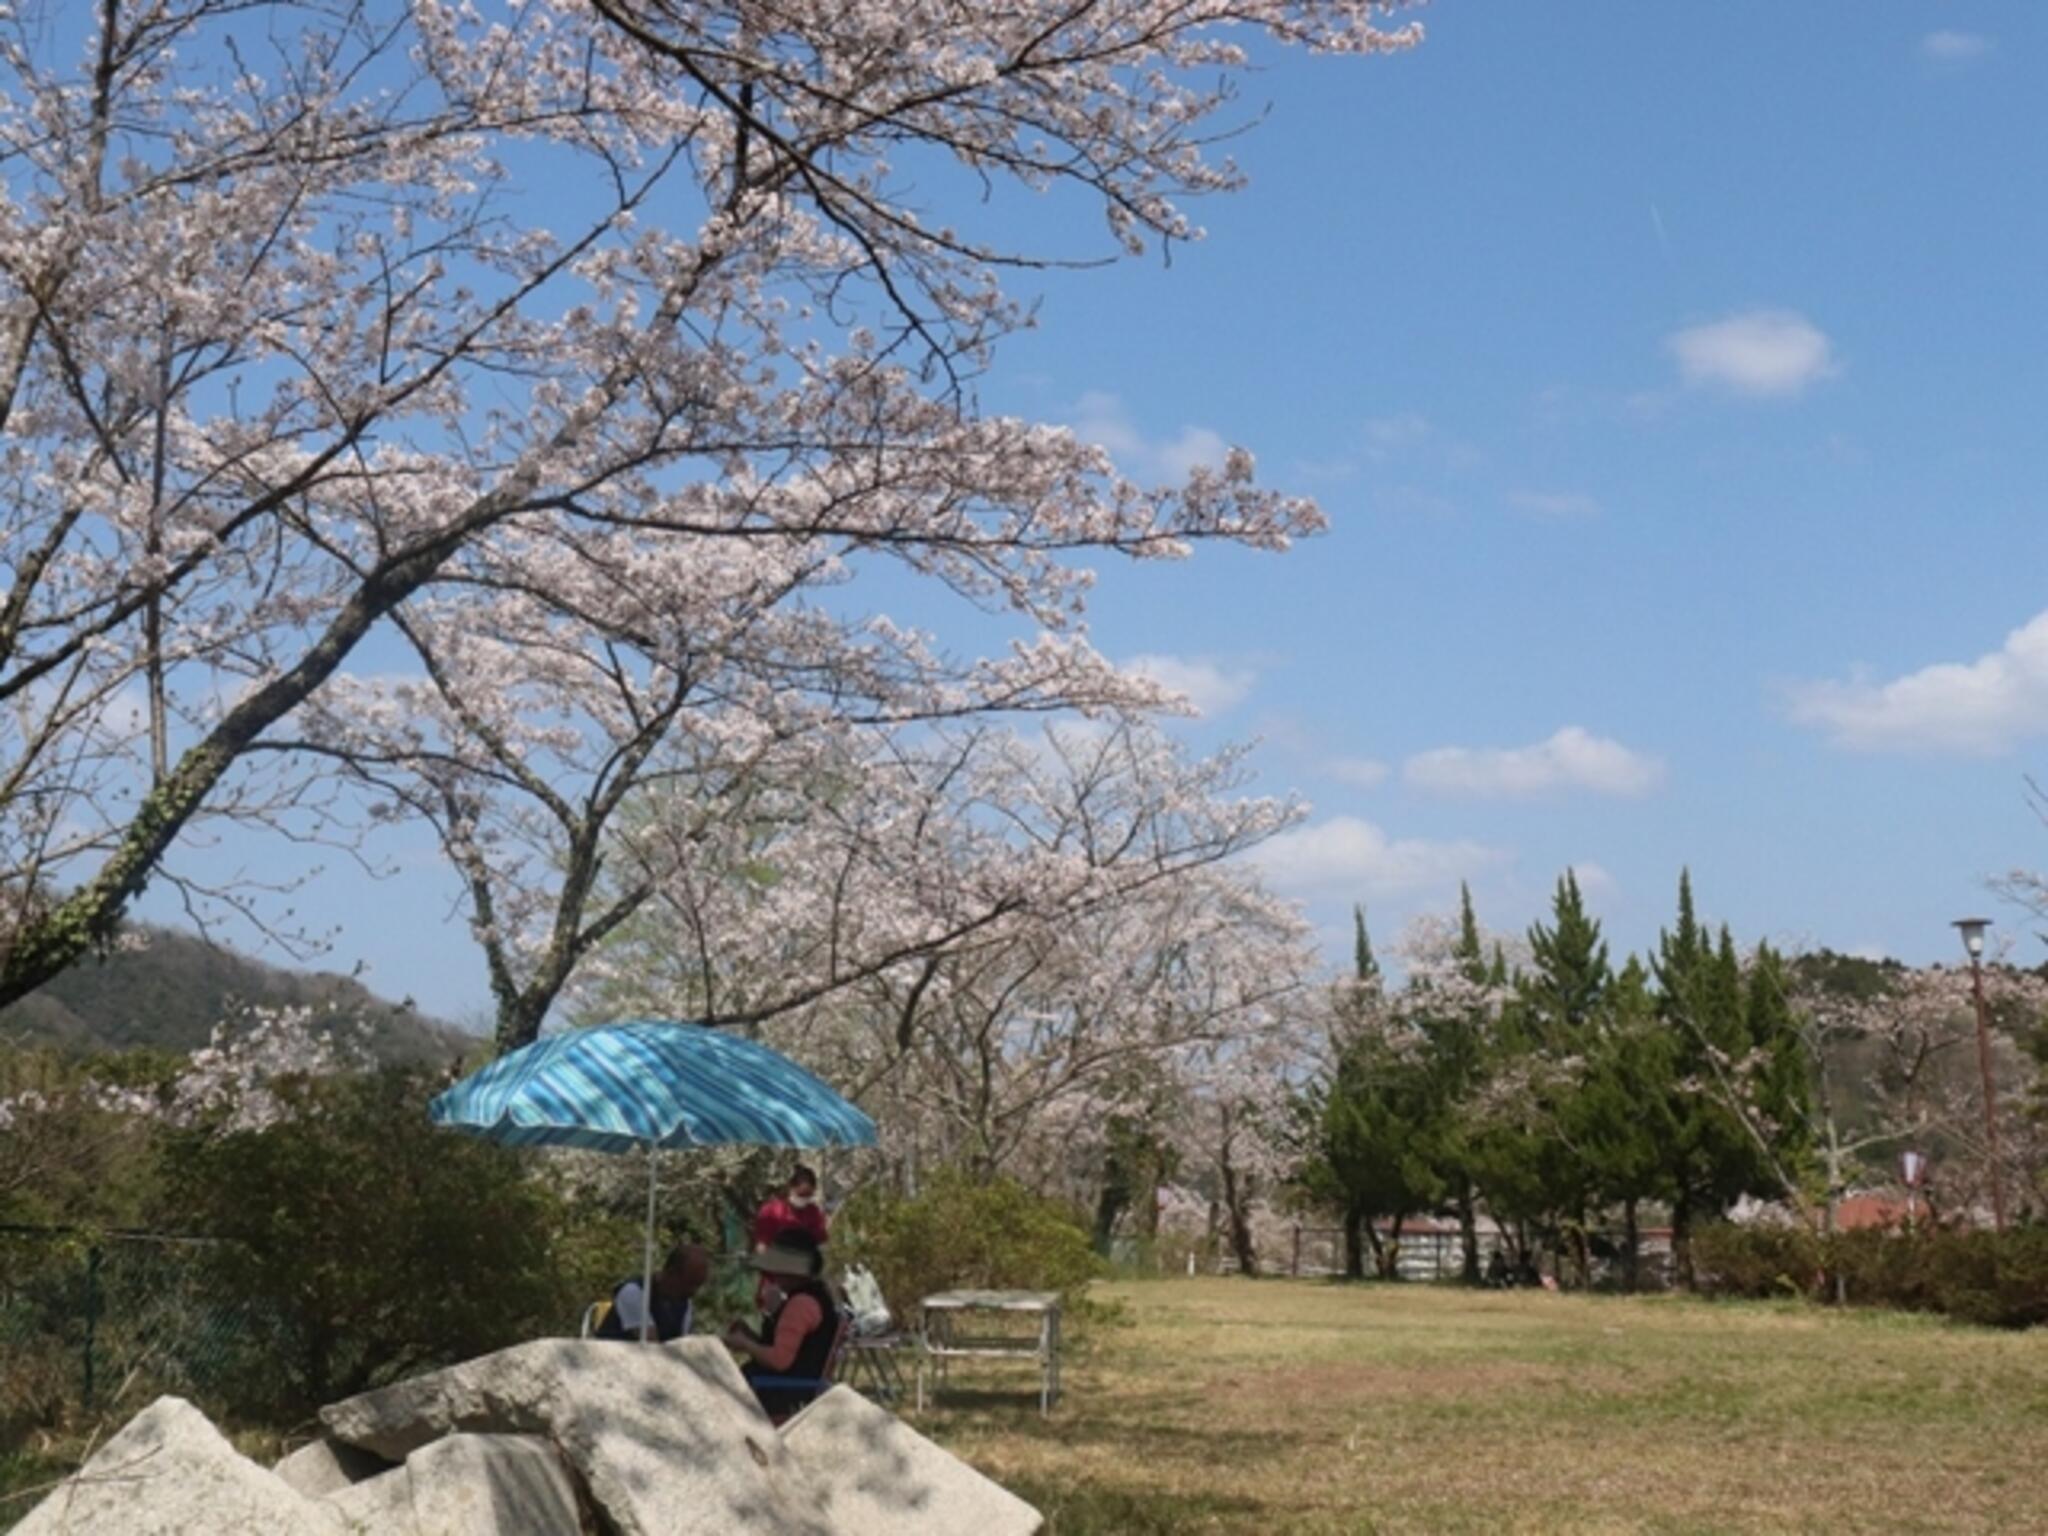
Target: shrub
1756, 1261
1998, 1279
72, 1151
369, 1242
962, 1232
1986, 1277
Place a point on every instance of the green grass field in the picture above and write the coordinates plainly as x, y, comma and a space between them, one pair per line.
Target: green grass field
1272, 1405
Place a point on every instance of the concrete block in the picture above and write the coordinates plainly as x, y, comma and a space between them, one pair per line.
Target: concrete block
169, 1472
668, 1440
468, 1485
327, 1466
876, 1476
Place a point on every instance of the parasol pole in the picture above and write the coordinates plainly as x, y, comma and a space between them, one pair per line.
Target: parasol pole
647, 1265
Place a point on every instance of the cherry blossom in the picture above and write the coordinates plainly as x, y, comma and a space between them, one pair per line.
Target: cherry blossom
584, 349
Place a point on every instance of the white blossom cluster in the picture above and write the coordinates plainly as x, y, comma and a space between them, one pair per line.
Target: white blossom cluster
230, 1084
580, 350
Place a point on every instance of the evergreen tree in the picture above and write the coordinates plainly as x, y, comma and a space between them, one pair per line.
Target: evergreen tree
1561, 999
1715, 1019
1619, 1114
1569, 971
1368, 1131
1456, 1027
1780, 1069
1364, 966
1470, 956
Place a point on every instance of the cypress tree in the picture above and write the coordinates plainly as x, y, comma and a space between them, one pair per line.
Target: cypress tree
1470, 956
1365, 965
1570, 973
1562, 1002
1783, 1085
1712, 1015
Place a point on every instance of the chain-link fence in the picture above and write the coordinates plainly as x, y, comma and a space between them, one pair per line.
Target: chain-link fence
89, 1321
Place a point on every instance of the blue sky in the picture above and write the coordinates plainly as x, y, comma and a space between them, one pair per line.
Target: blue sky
1673, 378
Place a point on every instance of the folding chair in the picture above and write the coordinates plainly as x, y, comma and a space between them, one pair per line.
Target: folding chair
809, 1387
871, 1363
595, 1314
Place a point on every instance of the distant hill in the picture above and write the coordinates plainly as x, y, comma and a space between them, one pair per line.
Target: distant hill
1846, 976
170, 993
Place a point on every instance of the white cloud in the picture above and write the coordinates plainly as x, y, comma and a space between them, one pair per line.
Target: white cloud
1559, 506
1195, 448
1359, 772
1350, 857
1760, 352
1593, 878
1101, 418
1210, 688
1388, 435
1572, 758
1412, 501
1982, 706
1955, 47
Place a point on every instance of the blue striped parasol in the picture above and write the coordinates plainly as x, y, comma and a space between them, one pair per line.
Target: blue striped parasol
647, 1085
625, 1087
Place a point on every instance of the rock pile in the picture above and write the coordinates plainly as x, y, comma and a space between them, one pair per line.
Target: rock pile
554, 1438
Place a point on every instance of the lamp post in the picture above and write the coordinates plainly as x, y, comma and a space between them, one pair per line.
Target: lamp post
1972, 930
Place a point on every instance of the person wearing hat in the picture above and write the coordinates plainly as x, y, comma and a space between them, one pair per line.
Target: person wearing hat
799, 1321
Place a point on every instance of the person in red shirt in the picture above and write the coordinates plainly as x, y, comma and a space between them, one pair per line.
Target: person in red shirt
794, 1208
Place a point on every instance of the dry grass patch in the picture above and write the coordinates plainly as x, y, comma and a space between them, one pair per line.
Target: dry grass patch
1242, 1406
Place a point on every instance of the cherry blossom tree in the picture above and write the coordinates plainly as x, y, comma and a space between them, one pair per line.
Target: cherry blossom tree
996, 940
1898, 1069
76, 1137
1892, 1067
561, 349
1235, 1129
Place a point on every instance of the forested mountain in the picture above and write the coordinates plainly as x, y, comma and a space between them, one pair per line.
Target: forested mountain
171, 991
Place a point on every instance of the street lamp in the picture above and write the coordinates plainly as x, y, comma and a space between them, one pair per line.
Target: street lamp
1972, 930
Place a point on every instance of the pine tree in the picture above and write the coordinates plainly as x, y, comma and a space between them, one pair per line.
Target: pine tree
1368, 1132
1558, 1015
1569, 972
1456, 1030
1470, 956
1680, 950
1365, 966
1712, 1016
1784, 1091
1620, 1114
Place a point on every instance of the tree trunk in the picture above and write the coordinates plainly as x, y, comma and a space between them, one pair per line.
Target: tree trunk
1468, 1234
1631, 1253
1354, 1244
89, 916
1145, 1202
1235, 1205
1109, 1205
1241, 1243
